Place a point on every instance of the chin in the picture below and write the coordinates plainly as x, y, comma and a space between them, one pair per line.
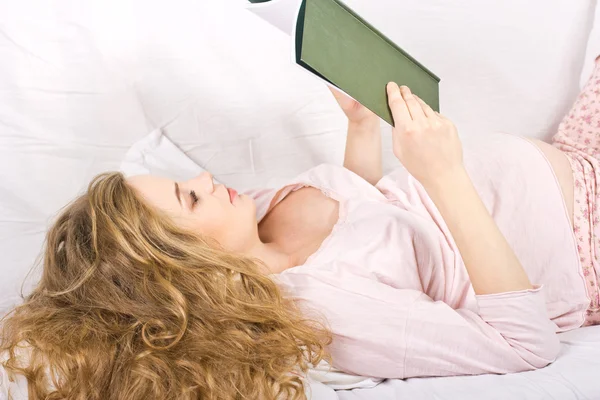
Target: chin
249, 203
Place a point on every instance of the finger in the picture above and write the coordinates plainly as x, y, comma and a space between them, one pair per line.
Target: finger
336, 93
416, 112
344, 101
429, 113
339, 96
444, 119
441, 116
397, 105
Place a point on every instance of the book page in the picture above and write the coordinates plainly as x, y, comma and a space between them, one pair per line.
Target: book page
279, 13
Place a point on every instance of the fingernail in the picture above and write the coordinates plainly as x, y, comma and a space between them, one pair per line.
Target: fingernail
390, 86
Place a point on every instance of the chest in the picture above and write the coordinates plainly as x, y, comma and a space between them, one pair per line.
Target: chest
304, 218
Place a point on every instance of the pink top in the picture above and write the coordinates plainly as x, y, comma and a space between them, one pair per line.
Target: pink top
394, 289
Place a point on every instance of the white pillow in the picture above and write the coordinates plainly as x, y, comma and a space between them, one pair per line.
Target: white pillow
593, 48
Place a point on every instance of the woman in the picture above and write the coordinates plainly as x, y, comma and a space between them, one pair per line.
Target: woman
162, 289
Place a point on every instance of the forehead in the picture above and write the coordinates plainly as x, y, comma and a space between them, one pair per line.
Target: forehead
156, 190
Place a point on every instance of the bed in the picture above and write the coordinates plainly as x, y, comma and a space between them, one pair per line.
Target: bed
81, 82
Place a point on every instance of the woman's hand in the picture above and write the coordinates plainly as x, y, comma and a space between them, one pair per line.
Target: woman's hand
357, 113
424, 141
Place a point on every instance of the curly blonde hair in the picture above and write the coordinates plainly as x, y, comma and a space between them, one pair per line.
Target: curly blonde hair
130, 306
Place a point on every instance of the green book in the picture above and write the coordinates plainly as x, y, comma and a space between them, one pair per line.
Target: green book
334, 43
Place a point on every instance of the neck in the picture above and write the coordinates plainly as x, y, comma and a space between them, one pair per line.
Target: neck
273, 257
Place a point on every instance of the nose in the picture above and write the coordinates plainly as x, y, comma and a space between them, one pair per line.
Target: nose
204, 182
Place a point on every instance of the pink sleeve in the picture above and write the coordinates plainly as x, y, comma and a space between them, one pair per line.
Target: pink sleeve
511, 332
384, 332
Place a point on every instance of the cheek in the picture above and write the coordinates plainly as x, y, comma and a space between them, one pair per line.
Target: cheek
231, 227
215, 222
202, 222
210, 224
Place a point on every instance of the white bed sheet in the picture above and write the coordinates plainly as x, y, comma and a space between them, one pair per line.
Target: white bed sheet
81, 81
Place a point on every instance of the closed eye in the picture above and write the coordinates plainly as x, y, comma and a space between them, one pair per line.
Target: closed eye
194, 197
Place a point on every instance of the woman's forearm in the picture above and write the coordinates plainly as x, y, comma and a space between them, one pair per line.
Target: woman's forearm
428, 145
491, 263
363, 150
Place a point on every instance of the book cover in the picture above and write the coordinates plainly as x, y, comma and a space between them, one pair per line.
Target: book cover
340, 47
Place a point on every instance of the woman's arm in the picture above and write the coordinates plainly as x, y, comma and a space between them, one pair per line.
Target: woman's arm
386, 332
428, 146
363, 150
491, 263
363, 143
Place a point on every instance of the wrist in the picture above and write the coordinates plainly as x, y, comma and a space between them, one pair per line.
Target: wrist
370, 125
455, 179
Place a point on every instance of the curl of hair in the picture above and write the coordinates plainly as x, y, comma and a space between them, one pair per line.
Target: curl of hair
129, 306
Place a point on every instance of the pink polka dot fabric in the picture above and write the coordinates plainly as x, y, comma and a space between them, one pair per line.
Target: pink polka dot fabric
579, 137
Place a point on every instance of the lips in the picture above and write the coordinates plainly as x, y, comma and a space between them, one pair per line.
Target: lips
232, 194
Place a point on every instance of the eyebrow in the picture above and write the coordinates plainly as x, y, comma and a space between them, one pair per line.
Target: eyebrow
177, 194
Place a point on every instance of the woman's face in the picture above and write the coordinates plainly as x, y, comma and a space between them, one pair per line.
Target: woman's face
200, 205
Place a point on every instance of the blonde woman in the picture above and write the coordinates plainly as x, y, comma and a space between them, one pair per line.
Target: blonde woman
452, 265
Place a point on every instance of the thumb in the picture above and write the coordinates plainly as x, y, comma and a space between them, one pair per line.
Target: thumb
342, 99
